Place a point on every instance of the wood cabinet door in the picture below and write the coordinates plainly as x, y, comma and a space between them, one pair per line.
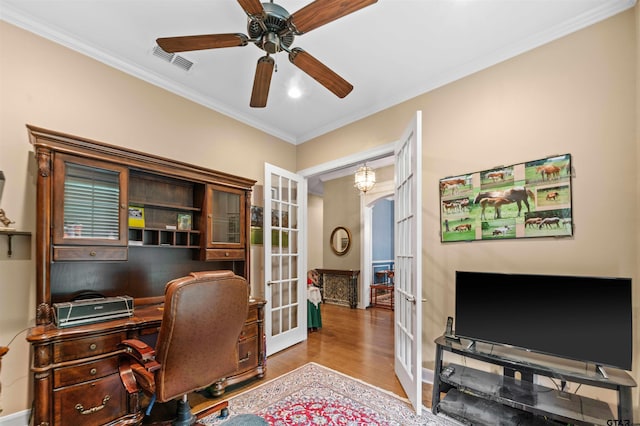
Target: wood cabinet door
225, 218
89, 202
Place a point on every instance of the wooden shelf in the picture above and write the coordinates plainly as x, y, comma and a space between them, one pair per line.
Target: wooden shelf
160, 237
163, 205
10, 233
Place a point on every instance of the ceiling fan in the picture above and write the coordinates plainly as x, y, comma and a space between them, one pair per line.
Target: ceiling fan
273, 29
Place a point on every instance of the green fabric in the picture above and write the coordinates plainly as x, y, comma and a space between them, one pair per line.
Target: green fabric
314, 319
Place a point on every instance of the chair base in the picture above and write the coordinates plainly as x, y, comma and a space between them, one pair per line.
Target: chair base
184, 416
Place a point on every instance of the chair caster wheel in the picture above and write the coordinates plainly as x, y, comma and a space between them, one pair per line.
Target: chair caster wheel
224, 413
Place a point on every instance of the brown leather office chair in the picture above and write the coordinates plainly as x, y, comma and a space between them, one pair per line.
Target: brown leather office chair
197, 343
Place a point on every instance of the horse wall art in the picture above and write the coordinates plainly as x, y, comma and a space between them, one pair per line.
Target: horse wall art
488, 205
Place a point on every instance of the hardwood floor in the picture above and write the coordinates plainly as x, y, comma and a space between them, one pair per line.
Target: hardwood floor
355, 342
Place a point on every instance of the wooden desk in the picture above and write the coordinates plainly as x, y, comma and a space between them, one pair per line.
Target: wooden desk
75, 369
156, 219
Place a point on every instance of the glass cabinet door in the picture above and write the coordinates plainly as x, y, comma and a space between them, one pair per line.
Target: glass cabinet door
226, 217
90, 200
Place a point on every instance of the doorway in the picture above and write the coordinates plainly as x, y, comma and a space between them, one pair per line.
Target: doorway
377, 158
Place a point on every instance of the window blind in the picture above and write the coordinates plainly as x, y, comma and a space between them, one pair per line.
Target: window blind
91, 202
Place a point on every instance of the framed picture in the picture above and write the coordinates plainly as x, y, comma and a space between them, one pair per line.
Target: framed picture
184, 221
525, 200
257, 222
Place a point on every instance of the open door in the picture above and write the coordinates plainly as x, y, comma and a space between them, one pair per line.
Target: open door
408, 262
285, 207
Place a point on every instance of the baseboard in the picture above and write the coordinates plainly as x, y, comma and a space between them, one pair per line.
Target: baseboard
427, 377
21, 418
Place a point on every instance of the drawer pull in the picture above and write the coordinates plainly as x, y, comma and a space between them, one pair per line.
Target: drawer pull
93, 371
93, 346
246, 358
92, 253
91, 410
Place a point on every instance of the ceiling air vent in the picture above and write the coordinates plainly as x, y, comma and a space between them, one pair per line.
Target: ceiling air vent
183, 63
172, 58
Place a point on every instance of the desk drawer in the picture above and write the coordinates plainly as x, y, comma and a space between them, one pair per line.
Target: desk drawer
88, 371
89, 346
224, 254
90, 253
252, 316
92, 403
249, 331
248, 354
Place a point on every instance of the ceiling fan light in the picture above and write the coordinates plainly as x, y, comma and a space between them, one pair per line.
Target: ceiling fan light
271, 43
365, 178
294, 92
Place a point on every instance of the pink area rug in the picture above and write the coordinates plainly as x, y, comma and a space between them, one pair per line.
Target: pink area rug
317, 395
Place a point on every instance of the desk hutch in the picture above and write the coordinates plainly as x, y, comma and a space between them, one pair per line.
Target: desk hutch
86, 241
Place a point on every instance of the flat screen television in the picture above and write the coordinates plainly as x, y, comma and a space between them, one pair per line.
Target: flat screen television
581, 318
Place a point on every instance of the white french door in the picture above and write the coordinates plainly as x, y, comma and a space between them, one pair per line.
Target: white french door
285, 199
408, 262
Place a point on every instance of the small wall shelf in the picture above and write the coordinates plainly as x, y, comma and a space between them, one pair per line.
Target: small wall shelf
10, 233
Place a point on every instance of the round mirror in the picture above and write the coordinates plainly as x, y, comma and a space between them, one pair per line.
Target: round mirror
340, 240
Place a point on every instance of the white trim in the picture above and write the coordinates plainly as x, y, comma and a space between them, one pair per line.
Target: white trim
590, 17
427, 376
486, 61
349, 160
23, 21
380, 190
20, 418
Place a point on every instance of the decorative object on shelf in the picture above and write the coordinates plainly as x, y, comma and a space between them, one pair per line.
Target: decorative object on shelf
488, 205
365, 178
5, 221
136, 217
184, 221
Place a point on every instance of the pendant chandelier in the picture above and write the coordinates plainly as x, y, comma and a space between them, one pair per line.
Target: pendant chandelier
365, 178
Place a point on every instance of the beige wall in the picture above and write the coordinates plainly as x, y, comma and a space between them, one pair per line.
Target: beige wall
315, 233
636, 294
44, 84
341, 208
576, 95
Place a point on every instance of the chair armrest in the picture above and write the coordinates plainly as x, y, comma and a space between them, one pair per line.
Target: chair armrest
135, 377
141, 352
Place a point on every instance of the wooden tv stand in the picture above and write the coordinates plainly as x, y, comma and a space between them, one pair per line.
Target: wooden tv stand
480, 397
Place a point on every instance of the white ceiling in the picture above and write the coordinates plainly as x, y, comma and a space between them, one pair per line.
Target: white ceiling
391, 51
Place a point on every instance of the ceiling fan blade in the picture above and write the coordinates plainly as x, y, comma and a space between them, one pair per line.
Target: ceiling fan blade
252, 7
322, 12
261, 82
320, 72
200, 42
